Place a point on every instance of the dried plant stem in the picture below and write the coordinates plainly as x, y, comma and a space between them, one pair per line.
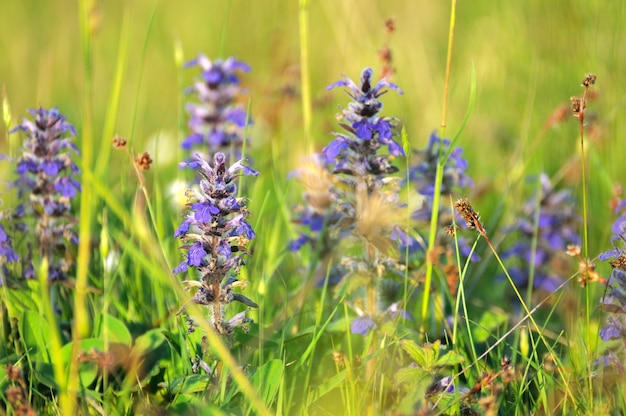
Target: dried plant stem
434, 220
581, 118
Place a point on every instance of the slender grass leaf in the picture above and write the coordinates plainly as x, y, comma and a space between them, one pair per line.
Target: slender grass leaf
35, 332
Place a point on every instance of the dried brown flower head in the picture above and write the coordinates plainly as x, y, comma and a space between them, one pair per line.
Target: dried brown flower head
119, 142
573, 250
589, 80
339, 357
13, 373
577, 105
619, 263
14, 395
471, 217
390, 26
588, 273
143, 161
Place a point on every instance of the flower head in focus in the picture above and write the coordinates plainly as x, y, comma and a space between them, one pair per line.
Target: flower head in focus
216, 234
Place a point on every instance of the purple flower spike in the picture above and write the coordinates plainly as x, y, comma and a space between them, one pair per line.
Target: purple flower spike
46, 185
369, 131
215, 232
216, 121
556, 227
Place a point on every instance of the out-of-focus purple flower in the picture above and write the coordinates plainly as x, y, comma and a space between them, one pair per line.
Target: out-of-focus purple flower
555, 229
215, 232
362, 325
422, 174
614, 300
46, 185
357, 153
350, 158
353, 206
216, 121
6, 248
7, 255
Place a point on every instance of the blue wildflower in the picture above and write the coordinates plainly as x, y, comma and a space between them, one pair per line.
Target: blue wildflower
362, 325
216, 234
216, 121
555, 229
422, 174
7, 254
358, 152
47, 185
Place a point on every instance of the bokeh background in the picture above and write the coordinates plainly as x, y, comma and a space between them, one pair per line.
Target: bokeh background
528, 57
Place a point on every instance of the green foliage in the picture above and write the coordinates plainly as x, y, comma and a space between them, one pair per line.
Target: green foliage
112, 341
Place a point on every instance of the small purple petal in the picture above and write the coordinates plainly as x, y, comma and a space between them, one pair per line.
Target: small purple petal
196, 254
362, 325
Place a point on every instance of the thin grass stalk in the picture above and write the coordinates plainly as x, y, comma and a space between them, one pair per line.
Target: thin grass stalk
55, 356
113, 106
228, 361
460, 300
144, 46
527, 311
583, 173
434, 220
586, 251
81, 318
179, 60
513, 329
305, 84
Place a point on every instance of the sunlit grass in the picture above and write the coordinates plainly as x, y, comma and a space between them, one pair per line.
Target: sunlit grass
119, 71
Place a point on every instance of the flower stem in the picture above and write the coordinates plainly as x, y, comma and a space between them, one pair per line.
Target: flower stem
434, 220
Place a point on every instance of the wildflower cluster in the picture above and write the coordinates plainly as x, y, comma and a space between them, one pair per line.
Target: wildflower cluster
614, 300
46, 187
353, 199
551, 221
215, 232
422, 173
438, 154
216, 122
350, 173
7, 254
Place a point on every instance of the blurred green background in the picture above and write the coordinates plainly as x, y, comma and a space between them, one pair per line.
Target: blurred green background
529, 58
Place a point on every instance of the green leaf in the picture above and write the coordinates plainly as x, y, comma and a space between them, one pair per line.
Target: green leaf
424, 357
87, 371
410, 375
35, 334
116, 331
487, 325
44, 373
193, 383
406, 146
148, 342
267, 380
153, 350
450, 359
